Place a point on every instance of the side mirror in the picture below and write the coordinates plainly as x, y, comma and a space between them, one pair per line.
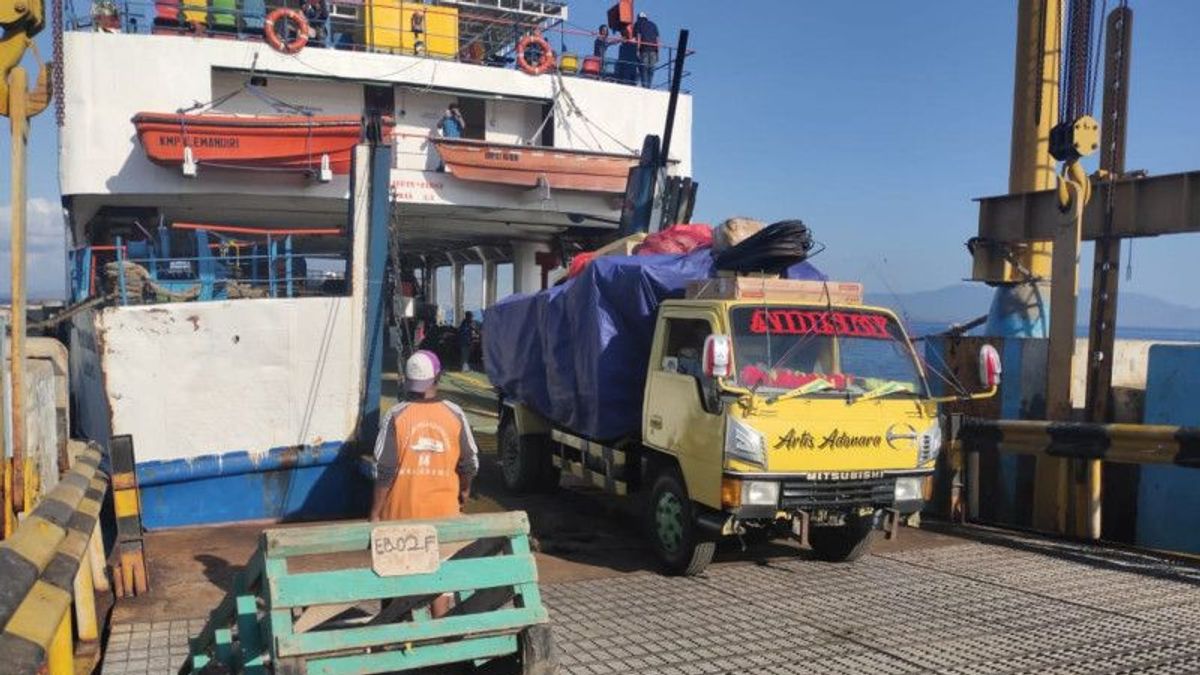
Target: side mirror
989, 367
718, 356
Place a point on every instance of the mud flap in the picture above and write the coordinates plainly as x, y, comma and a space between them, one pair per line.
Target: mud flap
890, 522
800, 525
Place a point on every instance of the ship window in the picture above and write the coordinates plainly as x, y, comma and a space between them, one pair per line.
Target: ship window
474, 112
547, 139
379, 100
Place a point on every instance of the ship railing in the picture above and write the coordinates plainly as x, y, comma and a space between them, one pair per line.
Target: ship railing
228, 273
376, 26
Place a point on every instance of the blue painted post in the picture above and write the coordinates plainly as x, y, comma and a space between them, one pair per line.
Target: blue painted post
83, 270
164, 239
376, 260
207, 267
121, 271
271, 264
287, 252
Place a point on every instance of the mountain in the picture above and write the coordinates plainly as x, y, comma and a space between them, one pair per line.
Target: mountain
962, 302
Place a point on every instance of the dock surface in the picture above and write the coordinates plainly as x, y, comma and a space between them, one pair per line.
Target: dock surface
936, 600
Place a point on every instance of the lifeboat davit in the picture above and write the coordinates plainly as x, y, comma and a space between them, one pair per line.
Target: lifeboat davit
265, 142
530, 166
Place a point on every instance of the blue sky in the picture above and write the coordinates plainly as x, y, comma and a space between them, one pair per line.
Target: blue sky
875, 122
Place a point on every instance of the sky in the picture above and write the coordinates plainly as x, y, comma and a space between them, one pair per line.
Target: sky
875, 122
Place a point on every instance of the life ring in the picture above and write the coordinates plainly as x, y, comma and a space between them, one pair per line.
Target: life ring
295, 44
544, 64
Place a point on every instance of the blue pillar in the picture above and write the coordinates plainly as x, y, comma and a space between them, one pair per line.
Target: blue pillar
205, 264
121, 271
287, 252
164, 240
271, 264
379, 223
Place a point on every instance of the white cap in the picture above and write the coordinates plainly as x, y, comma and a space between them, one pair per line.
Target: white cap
421, 371
641, 15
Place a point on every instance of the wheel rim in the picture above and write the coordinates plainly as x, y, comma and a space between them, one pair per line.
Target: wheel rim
509, 460
668, 516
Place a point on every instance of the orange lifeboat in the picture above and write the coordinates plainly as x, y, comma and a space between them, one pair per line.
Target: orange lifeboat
263, 142
528, 166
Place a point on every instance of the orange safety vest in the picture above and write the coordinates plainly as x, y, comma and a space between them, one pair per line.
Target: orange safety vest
428, 449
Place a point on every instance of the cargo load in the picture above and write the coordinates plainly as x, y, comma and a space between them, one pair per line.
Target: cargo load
577, 353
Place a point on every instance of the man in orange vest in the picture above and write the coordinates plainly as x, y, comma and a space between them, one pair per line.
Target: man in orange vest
425, 455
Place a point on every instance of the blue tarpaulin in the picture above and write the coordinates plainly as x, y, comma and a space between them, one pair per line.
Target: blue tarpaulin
577, 353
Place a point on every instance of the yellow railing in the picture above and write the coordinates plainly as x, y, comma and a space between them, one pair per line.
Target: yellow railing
50, 569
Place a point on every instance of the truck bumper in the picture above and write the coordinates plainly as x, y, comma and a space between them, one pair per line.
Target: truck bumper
899, 491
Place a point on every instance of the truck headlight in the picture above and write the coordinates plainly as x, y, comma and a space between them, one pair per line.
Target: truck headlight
908, 489
929, 444
760, 492
744, 442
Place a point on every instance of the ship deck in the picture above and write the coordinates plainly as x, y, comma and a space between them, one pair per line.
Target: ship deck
936, 599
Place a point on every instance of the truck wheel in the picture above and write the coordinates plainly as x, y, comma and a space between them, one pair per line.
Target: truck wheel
844, 543
525, 461
538, 656
673, 532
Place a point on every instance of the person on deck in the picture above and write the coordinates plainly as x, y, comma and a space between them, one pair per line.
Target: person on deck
600, 46
452, 124
317, 15
645, 32
467, 332
425, 455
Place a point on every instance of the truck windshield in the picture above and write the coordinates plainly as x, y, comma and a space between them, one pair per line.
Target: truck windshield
838, 352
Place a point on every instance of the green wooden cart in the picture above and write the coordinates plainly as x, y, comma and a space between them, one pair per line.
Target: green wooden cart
335, 599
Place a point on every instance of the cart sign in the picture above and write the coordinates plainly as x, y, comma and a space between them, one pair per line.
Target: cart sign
802, 322
398, 550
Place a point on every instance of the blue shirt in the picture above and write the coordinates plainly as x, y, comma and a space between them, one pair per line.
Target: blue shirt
451, 127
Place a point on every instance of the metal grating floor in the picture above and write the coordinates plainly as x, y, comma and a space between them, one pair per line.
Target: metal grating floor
963, 609
1027, 606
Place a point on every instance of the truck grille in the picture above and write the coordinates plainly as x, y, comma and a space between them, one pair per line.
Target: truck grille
806, 494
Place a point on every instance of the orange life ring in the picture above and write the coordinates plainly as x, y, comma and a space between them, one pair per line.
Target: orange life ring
544, 64
295, 44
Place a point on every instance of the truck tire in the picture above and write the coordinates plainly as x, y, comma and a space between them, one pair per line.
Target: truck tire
671, 521
525, 462
844, 543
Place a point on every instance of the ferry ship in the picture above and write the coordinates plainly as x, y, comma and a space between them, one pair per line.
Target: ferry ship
235, 328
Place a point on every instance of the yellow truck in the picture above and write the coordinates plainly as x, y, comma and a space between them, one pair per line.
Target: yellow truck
770, 407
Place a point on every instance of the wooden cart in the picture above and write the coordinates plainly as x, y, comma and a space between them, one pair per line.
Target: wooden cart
355, 598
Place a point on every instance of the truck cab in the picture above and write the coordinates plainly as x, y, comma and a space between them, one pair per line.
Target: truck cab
796, 410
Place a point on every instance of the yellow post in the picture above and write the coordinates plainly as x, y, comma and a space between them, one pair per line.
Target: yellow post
1035, 112
1035, 106
95, 559
85, 604
60, 658
17, 85
6, 517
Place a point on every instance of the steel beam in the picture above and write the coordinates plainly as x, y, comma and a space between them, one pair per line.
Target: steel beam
1142, 207
1102, 327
